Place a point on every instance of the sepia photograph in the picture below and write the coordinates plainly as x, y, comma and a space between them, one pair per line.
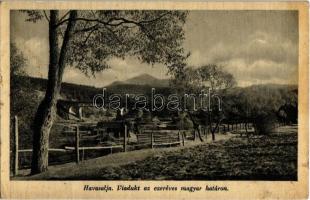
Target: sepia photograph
154, 95
165, 99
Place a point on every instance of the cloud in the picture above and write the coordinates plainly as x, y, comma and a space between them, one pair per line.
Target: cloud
255, 46
262, 71
120, 70
261, 57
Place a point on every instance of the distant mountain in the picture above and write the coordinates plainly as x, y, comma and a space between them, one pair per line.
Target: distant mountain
143, 79
269, 86
141, 84
69, 91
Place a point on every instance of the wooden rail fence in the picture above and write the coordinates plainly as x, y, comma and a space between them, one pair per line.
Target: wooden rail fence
77, 148
160, 137
148, 135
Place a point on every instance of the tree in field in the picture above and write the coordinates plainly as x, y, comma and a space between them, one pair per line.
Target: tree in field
212, 78
23, 102
17, 62
88, 39
262, 105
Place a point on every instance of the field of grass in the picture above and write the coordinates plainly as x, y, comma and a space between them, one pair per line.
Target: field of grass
272, 157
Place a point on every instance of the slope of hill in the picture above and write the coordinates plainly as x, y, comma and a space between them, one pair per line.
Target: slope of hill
264, 89
143, 79
138, 85
141, 84
69, 91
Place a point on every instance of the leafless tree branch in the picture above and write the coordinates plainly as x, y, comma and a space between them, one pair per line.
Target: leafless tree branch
64, 16
45, 15
115, 21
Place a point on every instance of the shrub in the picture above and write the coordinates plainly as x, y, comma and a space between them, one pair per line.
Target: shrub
264, 123
183, 122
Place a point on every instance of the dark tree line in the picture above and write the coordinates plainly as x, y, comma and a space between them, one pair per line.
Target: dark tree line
263, 105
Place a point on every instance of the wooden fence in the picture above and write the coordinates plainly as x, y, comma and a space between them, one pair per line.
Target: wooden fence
155, 138
148, 135
160, 138
78, 135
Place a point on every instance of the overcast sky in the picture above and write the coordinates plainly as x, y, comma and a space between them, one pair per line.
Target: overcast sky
255, 46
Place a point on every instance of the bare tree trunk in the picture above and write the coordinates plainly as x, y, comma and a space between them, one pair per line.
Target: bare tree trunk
215, 128
196, 127
46, 112
42, 125
210, 122
199, 133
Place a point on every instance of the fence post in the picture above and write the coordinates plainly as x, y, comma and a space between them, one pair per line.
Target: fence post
125, 138
152, 140
77, 143
183, 138
15, 148
83, 153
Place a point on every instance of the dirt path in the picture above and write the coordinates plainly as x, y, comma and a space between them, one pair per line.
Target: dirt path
118, 159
